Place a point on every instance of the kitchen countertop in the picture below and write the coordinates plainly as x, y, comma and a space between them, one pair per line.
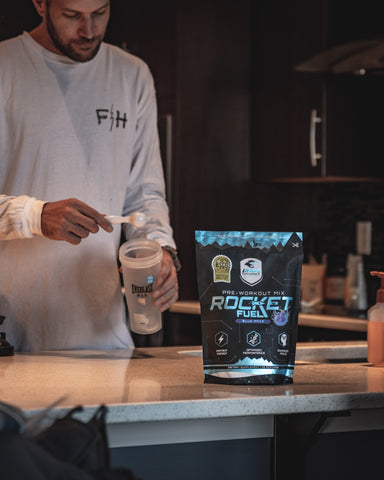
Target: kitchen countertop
165, 383
150, 386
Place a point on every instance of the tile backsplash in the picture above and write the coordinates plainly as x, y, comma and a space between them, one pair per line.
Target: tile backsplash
327, 214
336, 208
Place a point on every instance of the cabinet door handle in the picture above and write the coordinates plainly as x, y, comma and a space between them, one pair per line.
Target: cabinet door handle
312, 138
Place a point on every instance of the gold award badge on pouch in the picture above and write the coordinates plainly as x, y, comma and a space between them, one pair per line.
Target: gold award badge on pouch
222, 266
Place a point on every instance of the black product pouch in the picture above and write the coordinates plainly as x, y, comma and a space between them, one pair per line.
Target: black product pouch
249, 289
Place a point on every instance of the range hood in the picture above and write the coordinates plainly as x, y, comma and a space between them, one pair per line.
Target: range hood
356, 58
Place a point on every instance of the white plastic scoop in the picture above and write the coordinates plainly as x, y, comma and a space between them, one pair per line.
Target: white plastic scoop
137, 219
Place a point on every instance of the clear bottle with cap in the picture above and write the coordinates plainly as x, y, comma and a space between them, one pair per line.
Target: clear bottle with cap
375, 334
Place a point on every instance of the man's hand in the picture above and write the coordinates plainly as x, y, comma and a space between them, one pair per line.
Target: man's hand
166, 286
71, 220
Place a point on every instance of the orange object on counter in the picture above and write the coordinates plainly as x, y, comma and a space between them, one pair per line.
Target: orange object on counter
375, 330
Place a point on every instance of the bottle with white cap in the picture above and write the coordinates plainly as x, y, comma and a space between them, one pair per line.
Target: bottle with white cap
375, 334
355, 287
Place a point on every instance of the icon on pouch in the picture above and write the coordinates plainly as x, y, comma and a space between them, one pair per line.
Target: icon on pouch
283, 339
221, 339
253, 338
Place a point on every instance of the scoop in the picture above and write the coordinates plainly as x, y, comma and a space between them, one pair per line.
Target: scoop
137, 219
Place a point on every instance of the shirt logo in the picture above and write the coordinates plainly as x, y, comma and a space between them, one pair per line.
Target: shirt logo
116, 118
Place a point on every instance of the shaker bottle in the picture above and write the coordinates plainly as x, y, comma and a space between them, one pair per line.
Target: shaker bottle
141, 261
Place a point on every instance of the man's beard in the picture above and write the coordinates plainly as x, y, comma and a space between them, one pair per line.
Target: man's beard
67, 49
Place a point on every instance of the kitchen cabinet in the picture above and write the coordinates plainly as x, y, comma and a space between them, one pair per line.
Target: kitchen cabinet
347, 109
238, 111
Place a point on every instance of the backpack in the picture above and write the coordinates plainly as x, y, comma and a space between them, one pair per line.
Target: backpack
68, 449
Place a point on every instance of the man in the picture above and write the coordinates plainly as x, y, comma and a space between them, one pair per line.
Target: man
78, 142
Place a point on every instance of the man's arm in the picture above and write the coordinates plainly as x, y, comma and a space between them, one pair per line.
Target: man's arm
70, 220
166, 287
146, 193
19, 217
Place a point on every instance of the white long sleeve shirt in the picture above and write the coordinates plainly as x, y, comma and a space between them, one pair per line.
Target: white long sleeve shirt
82, 130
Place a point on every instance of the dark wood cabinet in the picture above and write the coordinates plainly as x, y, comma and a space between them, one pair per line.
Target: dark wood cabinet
348, 137
281, 97
240, 112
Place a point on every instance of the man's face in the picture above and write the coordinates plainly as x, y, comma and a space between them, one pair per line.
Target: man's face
77, 27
